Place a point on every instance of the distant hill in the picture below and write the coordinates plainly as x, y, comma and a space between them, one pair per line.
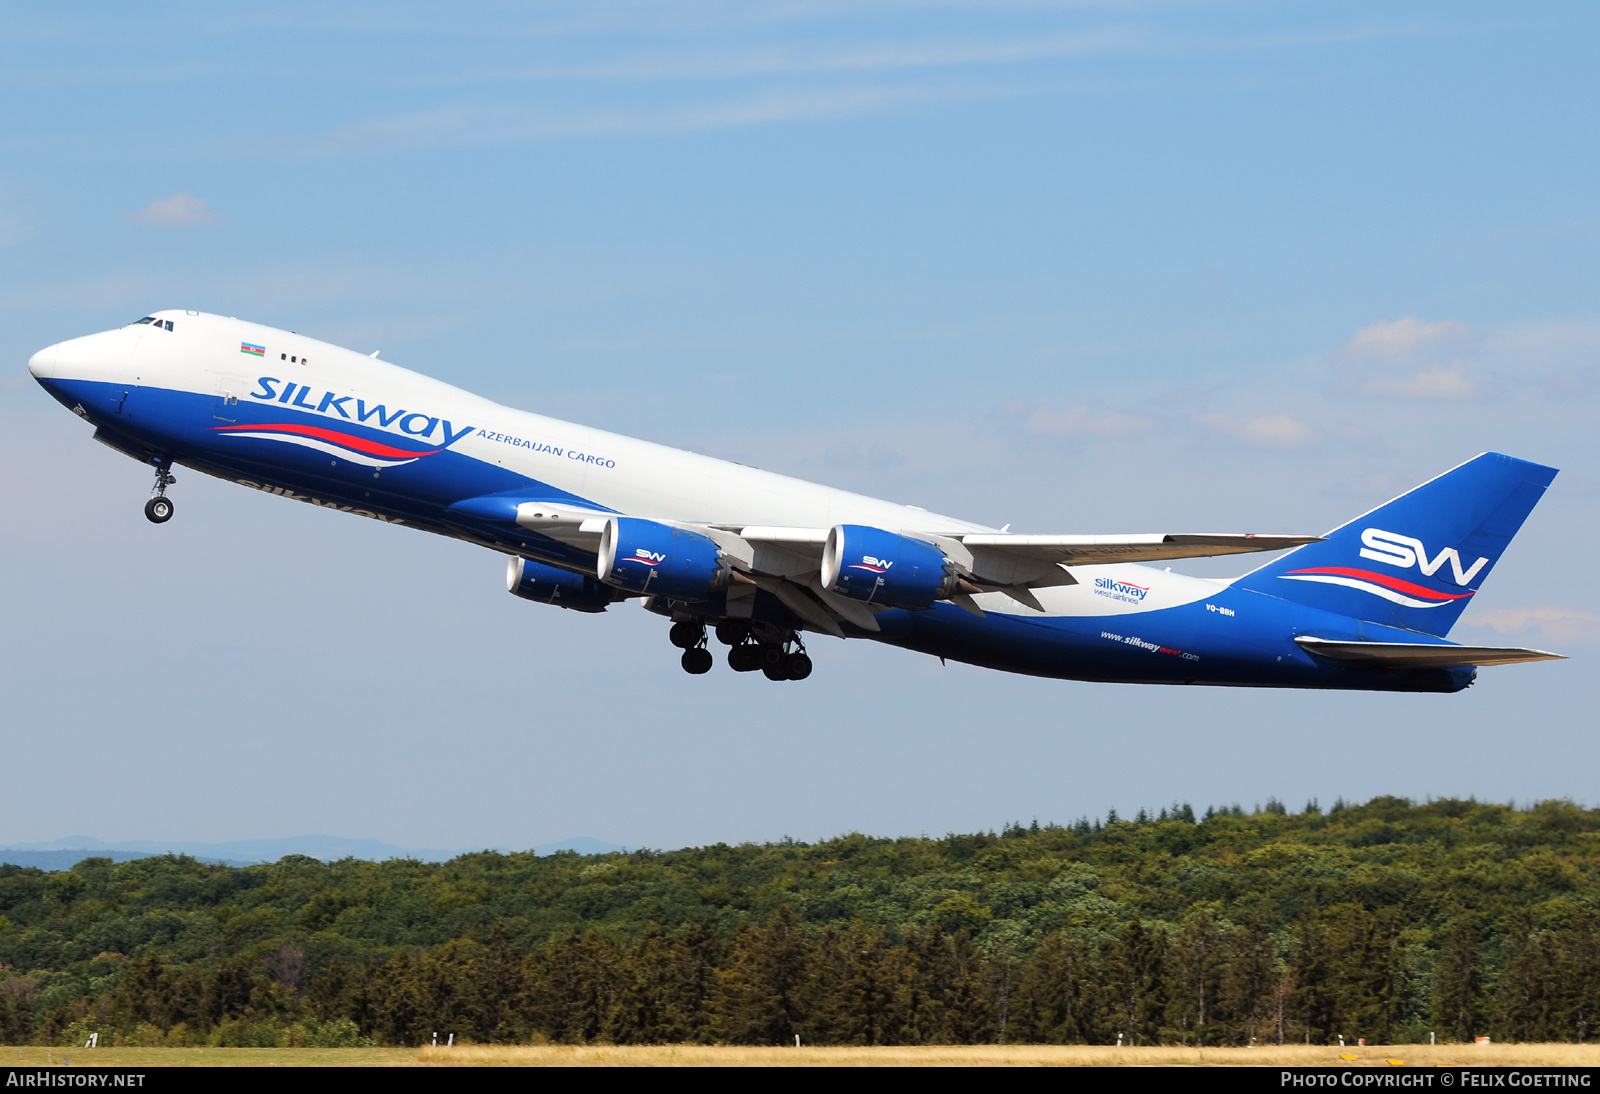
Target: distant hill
583, 845
63, 860
61, 854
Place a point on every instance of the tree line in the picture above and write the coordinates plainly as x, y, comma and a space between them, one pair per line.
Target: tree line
1207, 984
1389, 921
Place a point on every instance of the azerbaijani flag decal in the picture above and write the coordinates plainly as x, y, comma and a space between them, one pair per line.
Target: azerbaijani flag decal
252, 349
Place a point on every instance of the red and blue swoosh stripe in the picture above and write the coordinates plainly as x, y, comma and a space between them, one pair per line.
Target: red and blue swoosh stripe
1407, 593
358, 449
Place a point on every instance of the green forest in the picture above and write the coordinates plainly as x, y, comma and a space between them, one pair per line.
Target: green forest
1390, 921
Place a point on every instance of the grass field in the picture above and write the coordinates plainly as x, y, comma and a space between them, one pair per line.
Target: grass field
732, 1056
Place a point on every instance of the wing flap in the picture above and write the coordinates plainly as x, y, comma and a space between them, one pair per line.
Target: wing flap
1422, 655
795, 539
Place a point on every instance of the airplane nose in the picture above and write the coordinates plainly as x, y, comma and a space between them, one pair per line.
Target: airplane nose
103, 357
43, 363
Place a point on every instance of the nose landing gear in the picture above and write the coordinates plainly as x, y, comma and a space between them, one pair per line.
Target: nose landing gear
158, 510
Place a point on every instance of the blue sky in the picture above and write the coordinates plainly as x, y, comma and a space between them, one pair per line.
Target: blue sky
1078, 267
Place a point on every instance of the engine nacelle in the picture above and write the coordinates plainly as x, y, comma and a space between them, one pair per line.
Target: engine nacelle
548, 585
886, 568
643, 556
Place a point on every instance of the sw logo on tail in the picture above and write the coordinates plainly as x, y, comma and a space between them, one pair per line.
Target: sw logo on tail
1405, 551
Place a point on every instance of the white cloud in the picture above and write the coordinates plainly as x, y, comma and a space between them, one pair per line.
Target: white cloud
804, 58
457, 126
1268, 431
1436, 382
1559, 342
1047, 421
1366, 488
179, 209
1406, 338
852, 456
1561, 358
118, 291
1435, 351
1553, 624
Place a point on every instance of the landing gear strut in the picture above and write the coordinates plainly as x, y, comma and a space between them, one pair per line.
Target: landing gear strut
158, 510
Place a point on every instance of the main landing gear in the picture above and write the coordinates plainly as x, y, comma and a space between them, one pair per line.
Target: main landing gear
778, 654
783, 659
158, 510
691, 639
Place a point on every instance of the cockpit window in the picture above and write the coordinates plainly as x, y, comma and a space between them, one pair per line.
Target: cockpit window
169, 324
146, 319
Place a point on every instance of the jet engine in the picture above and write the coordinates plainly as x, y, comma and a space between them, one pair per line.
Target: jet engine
548, 585
886, 568
645, 556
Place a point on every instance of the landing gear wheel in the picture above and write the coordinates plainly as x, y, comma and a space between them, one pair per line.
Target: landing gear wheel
769, 657
743, 659
697, 662
775, 672
731, 634
686, 635
159, 509
797, 666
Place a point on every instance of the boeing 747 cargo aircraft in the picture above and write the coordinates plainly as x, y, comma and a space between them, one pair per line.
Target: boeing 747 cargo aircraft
588, 519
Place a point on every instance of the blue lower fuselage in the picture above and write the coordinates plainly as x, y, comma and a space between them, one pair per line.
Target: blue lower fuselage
1224, 635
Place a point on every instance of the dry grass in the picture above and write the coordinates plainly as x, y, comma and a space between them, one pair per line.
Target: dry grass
732, 1056
1006, 1056
208, 1057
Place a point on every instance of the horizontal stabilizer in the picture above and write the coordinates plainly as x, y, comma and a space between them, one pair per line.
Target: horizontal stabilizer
1423, 655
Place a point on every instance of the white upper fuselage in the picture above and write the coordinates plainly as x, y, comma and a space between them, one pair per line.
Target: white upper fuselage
202, 355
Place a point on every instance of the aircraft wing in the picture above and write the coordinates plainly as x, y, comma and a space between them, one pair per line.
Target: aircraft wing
1153, 547
786, 561
1071, 550
573, 520
997, 561
1422, 655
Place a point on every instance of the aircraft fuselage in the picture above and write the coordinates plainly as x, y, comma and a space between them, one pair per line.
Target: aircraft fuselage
292, 416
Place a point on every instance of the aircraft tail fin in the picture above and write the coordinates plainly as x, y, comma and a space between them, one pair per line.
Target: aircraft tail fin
1416, 561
